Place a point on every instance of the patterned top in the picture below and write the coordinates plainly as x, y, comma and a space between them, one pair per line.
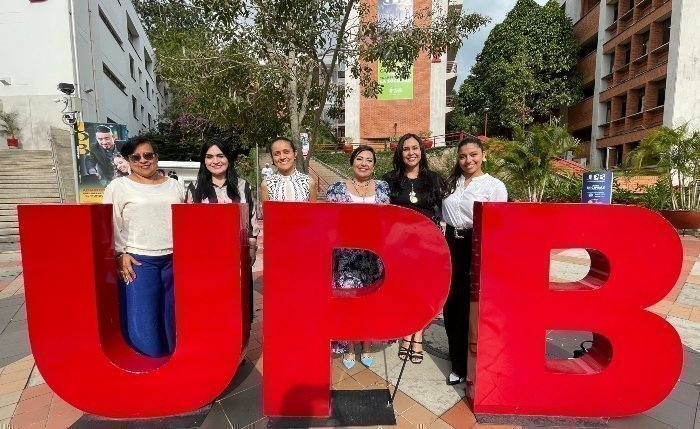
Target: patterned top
299, 183
355, 268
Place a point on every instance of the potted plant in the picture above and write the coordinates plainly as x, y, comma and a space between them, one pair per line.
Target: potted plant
674, 154
427, 141
9, 127
393, 142
347, 146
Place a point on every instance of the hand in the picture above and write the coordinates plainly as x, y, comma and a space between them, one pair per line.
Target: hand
253, 250
125, 270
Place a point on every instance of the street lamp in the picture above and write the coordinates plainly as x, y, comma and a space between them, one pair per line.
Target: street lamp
486, 120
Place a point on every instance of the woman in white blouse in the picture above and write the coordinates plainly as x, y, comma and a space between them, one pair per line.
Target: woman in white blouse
142, 218
287, 184
467, 184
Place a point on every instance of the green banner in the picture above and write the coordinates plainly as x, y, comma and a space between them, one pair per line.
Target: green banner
394, 88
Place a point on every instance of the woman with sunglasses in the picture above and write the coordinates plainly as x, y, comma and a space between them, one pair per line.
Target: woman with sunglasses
287, 184
356, 268
467, 184
415, 186
218, 183
143, 237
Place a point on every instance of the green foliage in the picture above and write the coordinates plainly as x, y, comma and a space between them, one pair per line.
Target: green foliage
251, 65
656, 197
563, 189
526, 69
8, 124
675, 154
526, 162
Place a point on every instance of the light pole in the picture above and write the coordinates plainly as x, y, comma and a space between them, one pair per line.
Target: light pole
486, 121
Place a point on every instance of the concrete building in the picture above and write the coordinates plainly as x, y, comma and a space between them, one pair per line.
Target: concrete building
99, 46
639, 62
369, 120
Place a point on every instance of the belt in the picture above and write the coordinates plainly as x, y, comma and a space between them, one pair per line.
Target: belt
458, 233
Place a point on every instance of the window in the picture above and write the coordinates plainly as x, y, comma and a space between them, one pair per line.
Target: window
618, 155
341, 74
661, 95
588, 90
111, 76
608, 111
150, 120
630, 4
589, 46
132, 33
141, 112
141, 79
109, 26
131, 67
623, 109
640, 100
645, 43
611, 62
666, 37
615, 13
148, 90
133, 107
149, 62
628, 53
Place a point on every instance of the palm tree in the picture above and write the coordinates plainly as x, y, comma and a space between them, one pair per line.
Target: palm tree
526, 160
674, 153
8, 124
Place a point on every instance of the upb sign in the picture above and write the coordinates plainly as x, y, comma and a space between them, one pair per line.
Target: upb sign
75, 336
597, 187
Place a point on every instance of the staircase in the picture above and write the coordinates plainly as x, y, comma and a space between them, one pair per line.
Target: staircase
26, 177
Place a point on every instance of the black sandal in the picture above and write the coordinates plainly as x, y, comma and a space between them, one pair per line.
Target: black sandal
416, 357
404, 352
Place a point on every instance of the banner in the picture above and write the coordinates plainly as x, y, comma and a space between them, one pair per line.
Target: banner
597, 187
394, 88
99, 161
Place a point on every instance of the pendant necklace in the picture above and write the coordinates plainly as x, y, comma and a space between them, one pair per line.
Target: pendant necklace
412, 195
366, 188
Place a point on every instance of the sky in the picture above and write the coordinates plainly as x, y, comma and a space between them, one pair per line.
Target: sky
496, 10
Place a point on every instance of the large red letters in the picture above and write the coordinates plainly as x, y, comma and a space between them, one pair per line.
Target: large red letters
636, 357
73, 317
636, 256
302, 310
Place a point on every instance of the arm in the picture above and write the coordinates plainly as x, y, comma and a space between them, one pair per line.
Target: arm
312, 189
113, 195
499, 193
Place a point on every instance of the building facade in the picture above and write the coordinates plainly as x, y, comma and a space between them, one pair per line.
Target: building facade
426, 110
639, 63
99, 46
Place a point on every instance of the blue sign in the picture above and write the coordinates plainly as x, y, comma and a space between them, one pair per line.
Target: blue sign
597, 187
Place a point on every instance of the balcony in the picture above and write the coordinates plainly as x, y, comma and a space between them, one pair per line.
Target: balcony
587, 26
451, 69
450, 103
581, 115
626, 29
586, 66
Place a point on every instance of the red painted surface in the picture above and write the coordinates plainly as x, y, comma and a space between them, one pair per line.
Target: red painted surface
73, 317
302, 310
637, 356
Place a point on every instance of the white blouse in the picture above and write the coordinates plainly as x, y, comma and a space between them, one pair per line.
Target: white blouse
458, 207
294, 187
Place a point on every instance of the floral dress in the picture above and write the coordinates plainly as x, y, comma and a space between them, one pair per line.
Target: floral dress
355, 268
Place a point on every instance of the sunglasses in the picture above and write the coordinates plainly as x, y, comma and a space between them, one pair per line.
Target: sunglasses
148, 156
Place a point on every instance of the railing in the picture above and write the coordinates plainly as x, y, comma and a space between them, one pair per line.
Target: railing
57, 170
450, 101
451, 67
321, 183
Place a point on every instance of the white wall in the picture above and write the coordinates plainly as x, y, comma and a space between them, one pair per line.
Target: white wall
683, 81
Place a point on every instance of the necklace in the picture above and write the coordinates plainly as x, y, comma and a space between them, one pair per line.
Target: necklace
412, 195
365, 187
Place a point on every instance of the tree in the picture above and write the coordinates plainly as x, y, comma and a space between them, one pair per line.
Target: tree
675, 154
249, 62
526, 69
526, 162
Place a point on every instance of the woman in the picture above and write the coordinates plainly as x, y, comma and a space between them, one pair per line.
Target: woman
121, 166
287, 184
144, 249
218, 183
467, 183
355, 268
414, 186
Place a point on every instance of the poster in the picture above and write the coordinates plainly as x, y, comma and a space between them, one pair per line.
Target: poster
99, 161
597, 187
394, 88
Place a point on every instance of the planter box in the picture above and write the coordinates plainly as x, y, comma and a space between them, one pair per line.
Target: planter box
347, 148
682, 219
427, 142
12, 143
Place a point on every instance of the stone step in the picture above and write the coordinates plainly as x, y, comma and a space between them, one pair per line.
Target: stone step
32, 186
13, 238
22, 152
4, 225
4, 232
23, 194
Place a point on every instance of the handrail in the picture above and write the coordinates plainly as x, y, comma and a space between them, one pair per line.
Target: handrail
56, 168
319, 180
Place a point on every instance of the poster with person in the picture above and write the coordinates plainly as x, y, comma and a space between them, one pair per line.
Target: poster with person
99, 161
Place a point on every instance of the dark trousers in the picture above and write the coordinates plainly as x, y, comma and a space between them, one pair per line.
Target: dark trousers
147, 306
456, 310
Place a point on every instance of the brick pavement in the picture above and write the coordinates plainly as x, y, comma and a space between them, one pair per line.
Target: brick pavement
27, 402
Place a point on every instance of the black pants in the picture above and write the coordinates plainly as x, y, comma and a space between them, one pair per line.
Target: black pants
456, 310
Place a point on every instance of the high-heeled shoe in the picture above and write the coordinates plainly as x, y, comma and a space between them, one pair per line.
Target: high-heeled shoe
367, 359
404, 352
348, 363
416, 357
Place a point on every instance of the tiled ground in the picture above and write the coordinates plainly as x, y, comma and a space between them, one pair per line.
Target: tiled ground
423, 399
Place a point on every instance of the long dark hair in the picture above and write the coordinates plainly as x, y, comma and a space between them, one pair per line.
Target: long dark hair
427, 179
205, 188
457, 170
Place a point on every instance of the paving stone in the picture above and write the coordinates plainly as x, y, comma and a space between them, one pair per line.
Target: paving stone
243, 408
674, 414
690, 295
688, 330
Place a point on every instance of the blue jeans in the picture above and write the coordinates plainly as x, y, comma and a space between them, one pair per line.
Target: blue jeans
147, 306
